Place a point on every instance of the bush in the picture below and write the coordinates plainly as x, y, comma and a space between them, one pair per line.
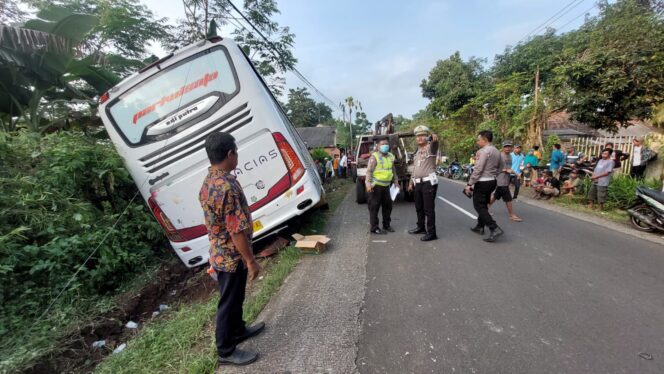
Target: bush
319, 154
61, 195
622, 190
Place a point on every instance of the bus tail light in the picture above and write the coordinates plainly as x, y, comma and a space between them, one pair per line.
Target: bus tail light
173, 234
293, 163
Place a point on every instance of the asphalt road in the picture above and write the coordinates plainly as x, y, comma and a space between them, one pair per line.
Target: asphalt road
554, 295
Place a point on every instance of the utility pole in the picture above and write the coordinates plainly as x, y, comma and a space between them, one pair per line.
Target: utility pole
534, 133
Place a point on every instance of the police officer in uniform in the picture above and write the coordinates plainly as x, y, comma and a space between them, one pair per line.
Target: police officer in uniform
424, 183
380, 175
483, 182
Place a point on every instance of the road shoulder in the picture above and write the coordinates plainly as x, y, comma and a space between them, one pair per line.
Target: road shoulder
313, 322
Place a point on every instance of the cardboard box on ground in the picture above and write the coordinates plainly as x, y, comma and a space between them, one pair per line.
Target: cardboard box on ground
315, 244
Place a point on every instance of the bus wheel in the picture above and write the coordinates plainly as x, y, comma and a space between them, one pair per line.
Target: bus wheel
361, 191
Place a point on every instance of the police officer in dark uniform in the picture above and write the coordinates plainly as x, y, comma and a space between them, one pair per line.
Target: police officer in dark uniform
424, 183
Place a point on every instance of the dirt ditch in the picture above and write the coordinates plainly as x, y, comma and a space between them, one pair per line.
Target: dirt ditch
172, 285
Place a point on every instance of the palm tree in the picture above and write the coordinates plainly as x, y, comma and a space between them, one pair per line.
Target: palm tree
350, 104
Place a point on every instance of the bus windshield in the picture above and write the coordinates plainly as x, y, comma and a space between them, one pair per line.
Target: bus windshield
208, 74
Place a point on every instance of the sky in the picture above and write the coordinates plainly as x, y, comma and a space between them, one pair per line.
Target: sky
378, 52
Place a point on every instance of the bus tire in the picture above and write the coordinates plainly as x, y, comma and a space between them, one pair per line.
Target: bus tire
361, 191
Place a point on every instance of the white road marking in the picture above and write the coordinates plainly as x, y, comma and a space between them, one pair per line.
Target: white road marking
460, 209
379, 241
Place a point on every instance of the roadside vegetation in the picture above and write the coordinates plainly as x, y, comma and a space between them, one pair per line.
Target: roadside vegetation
75, 237
604, 74
184, 342
620, 196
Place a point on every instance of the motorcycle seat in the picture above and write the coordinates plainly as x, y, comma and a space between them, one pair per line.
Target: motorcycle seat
657, 195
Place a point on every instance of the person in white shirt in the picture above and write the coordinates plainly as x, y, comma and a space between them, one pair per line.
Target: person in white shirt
343, 165
641, 157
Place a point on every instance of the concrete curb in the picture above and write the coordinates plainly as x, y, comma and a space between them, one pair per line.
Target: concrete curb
621, 228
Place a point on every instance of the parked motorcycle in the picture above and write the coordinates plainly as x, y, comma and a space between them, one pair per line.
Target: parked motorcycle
647, 213
467, 172
455, 171
584, 169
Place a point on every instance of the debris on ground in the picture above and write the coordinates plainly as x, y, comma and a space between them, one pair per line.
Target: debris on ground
131, 325
277, 244
316, 244
163, 307
172, 285
120, 348
99, 344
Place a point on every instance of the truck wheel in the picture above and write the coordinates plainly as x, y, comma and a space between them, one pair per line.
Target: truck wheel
360, 191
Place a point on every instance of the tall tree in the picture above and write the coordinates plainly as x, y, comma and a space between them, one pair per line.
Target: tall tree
303, 111
615, 66
272, 58
452, 83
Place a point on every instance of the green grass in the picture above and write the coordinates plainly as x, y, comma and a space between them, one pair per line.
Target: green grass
45, 337
578, 204
184, 343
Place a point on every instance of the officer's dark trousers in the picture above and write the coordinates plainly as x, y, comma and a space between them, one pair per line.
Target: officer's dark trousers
379, 198
481, 197
229, 310
425, 203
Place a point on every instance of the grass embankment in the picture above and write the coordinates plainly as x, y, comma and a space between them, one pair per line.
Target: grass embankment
621, 195
183, 343
578, 204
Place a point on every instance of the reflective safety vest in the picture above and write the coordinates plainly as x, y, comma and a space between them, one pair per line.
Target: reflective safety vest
382, 174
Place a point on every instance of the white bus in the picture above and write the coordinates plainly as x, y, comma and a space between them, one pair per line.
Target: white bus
159, 117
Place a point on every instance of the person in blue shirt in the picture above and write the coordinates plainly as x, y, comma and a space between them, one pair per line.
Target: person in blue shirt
517, 164
557, 160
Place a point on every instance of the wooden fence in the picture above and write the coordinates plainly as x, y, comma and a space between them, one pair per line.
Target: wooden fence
591, 147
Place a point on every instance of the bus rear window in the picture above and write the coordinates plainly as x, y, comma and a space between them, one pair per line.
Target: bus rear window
171, 91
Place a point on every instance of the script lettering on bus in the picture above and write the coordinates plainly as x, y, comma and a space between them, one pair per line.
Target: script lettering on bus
203, 82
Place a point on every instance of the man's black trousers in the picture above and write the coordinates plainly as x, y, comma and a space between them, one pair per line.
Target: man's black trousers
481, 197
380, 199
229, 310
637, 171
425, 203
516, 181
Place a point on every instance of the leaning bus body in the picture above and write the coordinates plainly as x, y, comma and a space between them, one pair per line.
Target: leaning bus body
158, 120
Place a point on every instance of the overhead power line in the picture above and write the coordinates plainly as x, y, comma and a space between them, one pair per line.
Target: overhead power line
559, 14
275, 52
577, 17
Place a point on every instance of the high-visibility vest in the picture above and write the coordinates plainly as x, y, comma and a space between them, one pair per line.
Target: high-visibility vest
382, 174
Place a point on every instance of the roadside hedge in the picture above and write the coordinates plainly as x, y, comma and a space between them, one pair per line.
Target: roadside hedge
61, 194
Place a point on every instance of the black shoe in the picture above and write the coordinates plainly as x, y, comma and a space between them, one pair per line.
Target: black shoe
377, 231
493, 234
250, 332
417, 230
429, 237
388, 228
478, 230
238, 357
